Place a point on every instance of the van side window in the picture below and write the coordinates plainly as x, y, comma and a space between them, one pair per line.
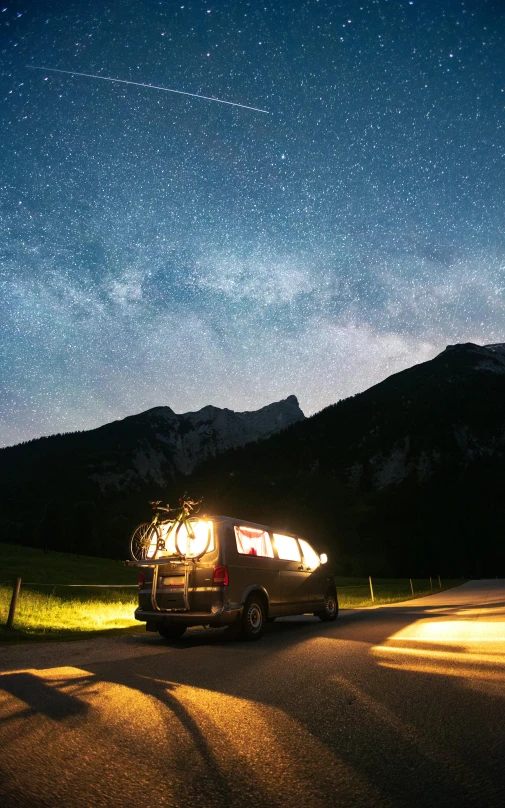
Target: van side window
310, 557
287, 547
253, 542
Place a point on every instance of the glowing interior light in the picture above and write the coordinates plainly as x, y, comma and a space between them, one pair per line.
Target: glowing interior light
310, 557
287, 547
167, 532
153, 545
253, 541
202, 542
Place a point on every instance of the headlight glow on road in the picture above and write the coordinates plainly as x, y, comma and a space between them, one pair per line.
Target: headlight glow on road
147, 727
464, 648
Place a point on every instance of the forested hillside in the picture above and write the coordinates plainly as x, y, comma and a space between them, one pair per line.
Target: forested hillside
405, 478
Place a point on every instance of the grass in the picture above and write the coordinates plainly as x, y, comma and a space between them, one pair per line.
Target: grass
50, 609
354, 593
36, 566
62, 614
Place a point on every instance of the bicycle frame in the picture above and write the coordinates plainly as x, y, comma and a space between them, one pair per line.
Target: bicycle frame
180, 519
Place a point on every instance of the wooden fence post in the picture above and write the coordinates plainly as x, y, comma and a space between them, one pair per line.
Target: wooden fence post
439, 582
371, 588
411, 586
14, 601
431, 583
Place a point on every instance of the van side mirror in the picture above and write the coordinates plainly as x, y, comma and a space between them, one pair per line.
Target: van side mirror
323, 558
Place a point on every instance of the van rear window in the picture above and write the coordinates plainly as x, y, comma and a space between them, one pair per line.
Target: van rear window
253, 542
176, 539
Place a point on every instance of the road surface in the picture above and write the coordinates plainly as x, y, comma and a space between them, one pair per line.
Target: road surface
392, 706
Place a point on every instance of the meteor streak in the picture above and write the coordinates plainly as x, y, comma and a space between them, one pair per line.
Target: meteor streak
150, 86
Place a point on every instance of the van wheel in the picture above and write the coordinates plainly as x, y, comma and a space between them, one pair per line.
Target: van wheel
171, 632
253, 618
330, 611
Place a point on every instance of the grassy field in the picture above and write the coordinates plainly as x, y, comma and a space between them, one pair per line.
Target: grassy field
36, 566
354, 593
50, 609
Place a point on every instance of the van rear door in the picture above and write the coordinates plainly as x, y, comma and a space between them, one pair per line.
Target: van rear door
199, 547
170, 585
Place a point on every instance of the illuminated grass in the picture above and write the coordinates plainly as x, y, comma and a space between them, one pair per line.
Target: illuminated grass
63, 613
48, 610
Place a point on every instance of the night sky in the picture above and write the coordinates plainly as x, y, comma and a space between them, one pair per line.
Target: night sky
158, 249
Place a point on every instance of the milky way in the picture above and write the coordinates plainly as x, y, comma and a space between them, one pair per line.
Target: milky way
156, 250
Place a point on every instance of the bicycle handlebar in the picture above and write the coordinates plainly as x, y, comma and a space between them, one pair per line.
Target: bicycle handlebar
186, 506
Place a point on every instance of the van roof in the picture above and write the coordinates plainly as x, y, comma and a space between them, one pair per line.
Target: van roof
234, 520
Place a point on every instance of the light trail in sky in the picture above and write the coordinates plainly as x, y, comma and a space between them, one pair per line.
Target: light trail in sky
150, 86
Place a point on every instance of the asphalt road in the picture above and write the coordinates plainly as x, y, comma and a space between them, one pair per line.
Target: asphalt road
394, 706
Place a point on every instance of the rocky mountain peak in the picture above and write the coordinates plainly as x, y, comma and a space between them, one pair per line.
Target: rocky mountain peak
147, 449
164, 443
481, 357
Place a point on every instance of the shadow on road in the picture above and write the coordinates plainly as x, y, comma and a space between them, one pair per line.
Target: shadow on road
394, 706
41, 697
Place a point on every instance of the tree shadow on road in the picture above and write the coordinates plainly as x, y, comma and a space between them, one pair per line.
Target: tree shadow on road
41, 697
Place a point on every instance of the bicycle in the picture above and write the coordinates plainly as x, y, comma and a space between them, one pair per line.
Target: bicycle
146, 541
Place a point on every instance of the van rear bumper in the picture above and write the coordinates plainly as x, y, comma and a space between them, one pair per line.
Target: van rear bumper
225, 618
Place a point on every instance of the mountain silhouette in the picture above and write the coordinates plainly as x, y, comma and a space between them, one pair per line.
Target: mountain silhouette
405, 478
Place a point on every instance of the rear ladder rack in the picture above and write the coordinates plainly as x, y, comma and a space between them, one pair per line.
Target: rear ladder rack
156, 563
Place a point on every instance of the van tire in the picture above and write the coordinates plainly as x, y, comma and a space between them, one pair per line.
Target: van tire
171, 632
330, 611
254, 617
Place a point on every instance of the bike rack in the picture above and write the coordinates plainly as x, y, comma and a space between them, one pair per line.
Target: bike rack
154, 587
155, 563
186, 586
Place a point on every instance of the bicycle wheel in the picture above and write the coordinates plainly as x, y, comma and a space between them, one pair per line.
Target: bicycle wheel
144, 542
190, 541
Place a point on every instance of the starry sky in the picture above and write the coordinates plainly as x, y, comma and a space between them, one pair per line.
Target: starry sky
158, 249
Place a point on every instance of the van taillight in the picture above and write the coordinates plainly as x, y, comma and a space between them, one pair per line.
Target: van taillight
220, 576
141, 580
